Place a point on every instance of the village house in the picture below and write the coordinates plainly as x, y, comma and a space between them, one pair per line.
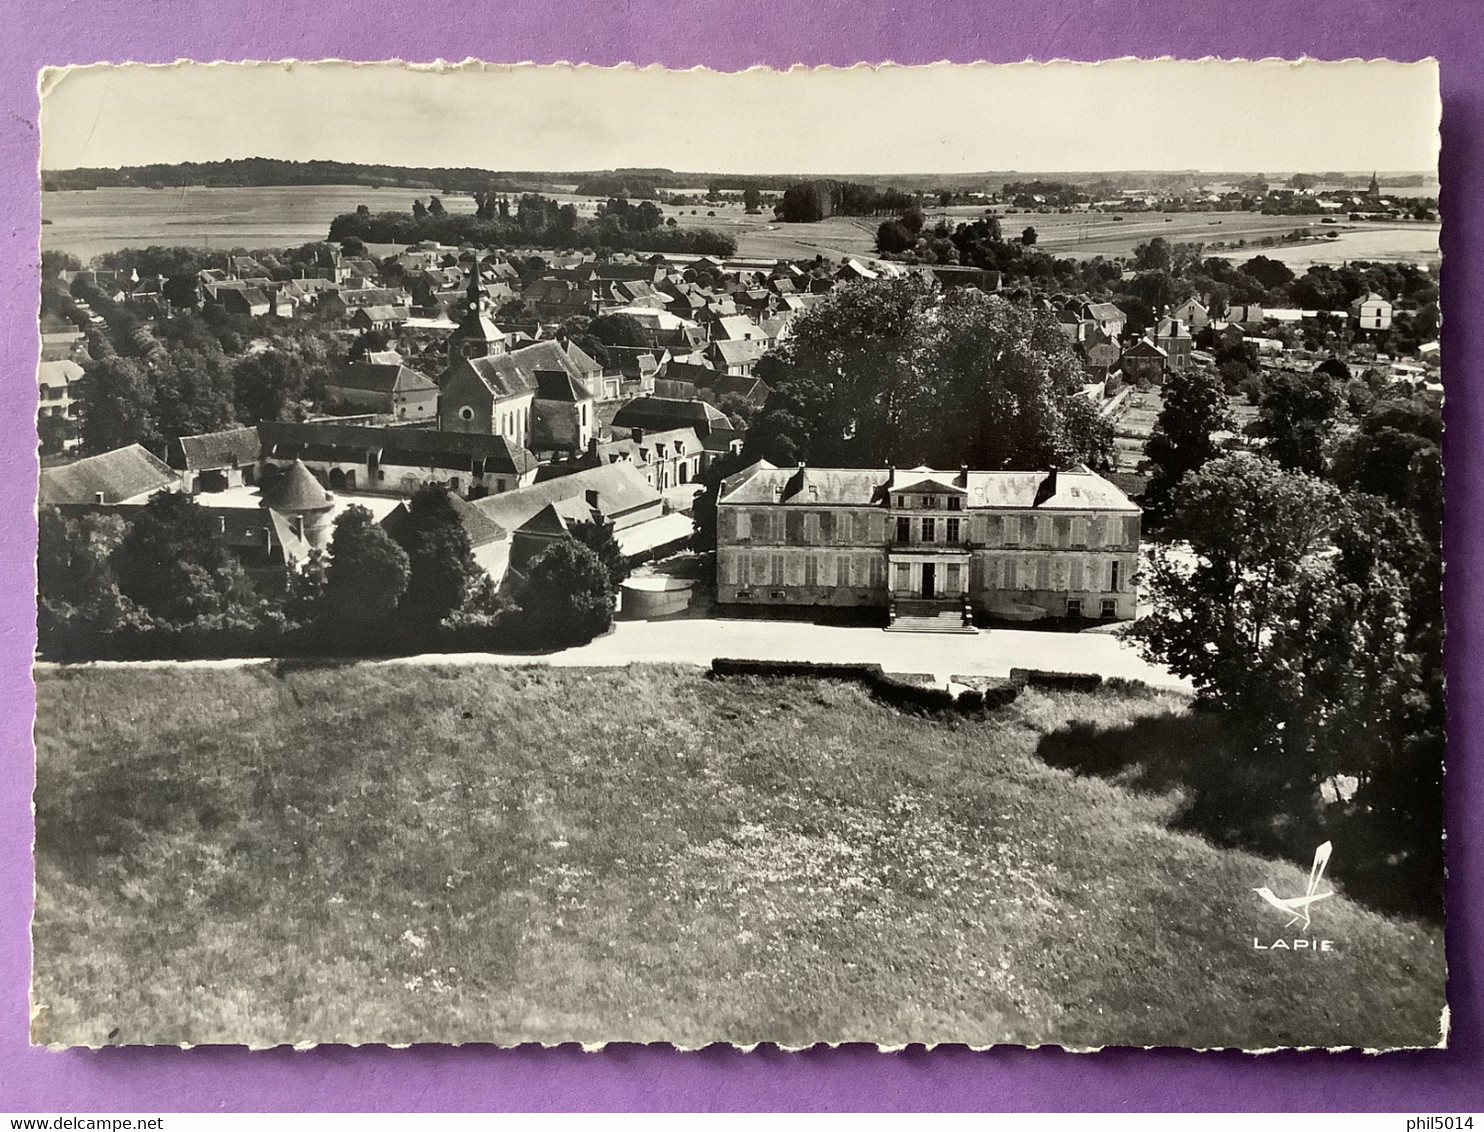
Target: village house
616, 493
384, 387
243, 300
216, 461
1174, 338
1193, 313
1371, 312
736, 357
1009, 545
556, 300
1109, 318
651, 414
666, 459
1249, 316
59, 386
1144, 363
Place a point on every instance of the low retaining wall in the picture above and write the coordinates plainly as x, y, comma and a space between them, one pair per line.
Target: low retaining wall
903, 691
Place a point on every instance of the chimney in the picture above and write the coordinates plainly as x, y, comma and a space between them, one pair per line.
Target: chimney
592, 498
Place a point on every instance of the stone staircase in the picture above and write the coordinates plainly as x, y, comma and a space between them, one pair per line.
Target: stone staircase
929, 617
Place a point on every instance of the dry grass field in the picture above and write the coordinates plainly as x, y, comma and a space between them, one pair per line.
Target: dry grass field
369, 853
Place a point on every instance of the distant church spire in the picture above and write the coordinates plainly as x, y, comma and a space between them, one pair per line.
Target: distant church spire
1375, 189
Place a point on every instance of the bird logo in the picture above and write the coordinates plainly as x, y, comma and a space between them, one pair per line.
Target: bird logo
1298, 907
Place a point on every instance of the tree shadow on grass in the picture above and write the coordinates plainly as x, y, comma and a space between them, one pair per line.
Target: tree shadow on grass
1226, 791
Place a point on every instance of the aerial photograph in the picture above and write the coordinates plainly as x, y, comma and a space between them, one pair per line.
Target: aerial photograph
541, 554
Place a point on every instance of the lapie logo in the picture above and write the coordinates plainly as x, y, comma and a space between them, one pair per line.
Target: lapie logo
1299, 909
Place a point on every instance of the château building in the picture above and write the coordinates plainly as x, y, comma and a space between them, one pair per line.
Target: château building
1011, 545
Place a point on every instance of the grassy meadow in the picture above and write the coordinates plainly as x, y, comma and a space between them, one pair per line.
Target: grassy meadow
381, 853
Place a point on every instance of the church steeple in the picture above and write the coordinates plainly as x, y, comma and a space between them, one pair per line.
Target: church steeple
1375, 189
474, 297
477, 336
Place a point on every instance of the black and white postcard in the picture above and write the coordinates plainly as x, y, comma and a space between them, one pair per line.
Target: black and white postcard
887, 554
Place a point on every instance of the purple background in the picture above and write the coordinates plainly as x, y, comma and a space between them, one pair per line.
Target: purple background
729, 35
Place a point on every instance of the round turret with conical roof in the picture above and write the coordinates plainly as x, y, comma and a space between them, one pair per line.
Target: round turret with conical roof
303, 501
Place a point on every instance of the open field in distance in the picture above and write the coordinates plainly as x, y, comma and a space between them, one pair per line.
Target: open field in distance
87, 223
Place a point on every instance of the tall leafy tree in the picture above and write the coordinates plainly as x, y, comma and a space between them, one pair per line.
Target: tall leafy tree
598, 537
1194, 409
367, 574
175, 564
194, 391
1297, 414
1253, 531
567, 598
851, 370
76, 585
121, 407
443, 572
267, 385
993, 385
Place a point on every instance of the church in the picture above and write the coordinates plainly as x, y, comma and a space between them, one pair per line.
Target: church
1004, 545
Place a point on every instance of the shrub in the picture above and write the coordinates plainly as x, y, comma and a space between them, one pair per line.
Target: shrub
568, 598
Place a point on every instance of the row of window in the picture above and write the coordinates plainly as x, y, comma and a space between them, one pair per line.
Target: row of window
862, 528
1068, 574
931, 502
928, 530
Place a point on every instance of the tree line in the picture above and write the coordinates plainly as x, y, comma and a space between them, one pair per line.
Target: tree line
162, 580
808, 201
535, 221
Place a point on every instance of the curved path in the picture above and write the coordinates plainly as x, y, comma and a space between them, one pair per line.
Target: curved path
698, 641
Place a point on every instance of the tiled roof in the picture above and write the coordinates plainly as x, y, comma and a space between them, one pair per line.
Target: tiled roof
559, 385
409, 446
667, 413
115, 476
58, 374
375, 377
233, 448
480, 528
508, 374
740, 353
621, 489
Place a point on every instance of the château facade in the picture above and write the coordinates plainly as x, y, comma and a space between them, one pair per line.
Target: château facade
1012, 545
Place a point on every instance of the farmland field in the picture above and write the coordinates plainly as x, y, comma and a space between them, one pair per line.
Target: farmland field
89, 223
374, 853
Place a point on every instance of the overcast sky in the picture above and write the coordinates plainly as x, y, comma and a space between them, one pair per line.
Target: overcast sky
1218, 116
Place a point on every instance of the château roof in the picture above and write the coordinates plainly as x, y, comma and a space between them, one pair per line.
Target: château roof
1073, 490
